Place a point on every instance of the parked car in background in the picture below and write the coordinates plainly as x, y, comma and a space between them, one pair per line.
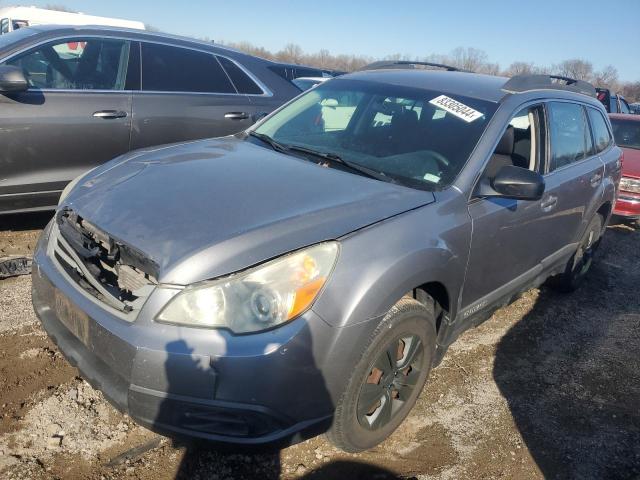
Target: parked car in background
613, 103
72, 98
626, 131
635, 108
305, 83
296, 277
292, 71
13, 18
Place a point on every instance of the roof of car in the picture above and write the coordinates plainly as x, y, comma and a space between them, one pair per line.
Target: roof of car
138, 33
625, 116
474, 85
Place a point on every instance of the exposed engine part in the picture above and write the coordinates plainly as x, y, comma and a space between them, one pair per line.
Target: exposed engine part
110, 270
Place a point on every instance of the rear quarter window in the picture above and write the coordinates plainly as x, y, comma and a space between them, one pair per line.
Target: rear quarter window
601, 134
242, 81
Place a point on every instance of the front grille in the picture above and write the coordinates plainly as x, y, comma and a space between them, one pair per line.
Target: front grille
108, 270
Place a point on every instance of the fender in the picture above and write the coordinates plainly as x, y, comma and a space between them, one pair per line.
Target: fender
429, 245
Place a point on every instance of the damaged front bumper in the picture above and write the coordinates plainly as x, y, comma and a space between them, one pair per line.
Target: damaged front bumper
200, 383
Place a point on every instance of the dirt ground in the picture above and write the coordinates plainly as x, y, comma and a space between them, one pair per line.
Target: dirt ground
547, 388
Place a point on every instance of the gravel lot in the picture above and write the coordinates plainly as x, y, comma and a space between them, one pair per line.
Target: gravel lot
548, 388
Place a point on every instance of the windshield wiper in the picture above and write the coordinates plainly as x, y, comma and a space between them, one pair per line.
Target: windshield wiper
278, 147
333, 158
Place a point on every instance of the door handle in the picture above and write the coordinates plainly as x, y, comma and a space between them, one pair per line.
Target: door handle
108, 114
236, 115
549, 203
595, 180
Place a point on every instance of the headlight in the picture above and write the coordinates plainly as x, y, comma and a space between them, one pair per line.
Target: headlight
257, 299
628, 184
71, 185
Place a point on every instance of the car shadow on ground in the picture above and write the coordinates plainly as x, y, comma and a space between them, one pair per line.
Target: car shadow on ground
205, 462
570, 370
208, 461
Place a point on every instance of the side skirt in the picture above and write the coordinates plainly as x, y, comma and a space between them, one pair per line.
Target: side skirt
481, 310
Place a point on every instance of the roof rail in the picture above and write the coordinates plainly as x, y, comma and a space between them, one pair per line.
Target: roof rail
407, 64
523, 83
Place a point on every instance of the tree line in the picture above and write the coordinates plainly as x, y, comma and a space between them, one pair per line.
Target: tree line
467, 58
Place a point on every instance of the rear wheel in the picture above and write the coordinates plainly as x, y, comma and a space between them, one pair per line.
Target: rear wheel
388, 378
580, 264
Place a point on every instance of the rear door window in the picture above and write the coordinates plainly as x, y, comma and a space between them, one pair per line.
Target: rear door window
601, 134
175, 69
570, 138
77, 64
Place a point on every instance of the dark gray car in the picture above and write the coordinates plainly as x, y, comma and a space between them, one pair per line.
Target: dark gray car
93, 93
307, 274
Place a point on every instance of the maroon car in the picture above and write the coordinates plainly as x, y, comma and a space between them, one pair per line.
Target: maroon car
626, 131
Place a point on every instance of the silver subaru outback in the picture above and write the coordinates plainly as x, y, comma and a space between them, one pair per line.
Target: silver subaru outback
305, 275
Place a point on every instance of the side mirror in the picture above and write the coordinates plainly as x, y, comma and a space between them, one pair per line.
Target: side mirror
12, 79
519, 183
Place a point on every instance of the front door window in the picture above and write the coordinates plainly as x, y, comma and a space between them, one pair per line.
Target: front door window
91, 64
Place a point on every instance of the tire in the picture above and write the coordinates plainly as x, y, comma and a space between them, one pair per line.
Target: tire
377, 400
581, 261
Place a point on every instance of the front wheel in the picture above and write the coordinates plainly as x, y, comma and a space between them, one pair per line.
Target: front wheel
580, 264
388, 378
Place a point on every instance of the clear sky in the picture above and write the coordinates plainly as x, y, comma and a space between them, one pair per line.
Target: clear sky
539, 31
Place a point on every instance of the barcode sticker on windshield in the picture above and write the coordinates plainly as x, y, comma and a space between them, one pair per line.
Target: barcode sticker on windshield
456, 108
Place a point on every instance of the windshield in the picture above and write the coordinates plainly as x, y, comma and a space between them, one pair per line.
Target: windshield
626, 133
394, 130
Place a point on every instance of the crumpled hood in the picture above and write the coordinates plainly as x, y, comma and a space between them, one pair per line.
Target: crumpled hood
204, 209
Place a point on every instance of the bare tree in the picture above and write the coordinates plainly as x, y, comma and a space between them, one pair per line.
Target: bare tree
576, 68
469, 58
608, 77
291, 53
489, 68
437, 58
324, 58
631, 91
519, 68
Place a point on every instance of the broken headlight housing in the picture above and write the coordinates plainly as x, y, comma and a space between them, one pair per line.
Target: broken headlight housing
257, 299
628, 184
